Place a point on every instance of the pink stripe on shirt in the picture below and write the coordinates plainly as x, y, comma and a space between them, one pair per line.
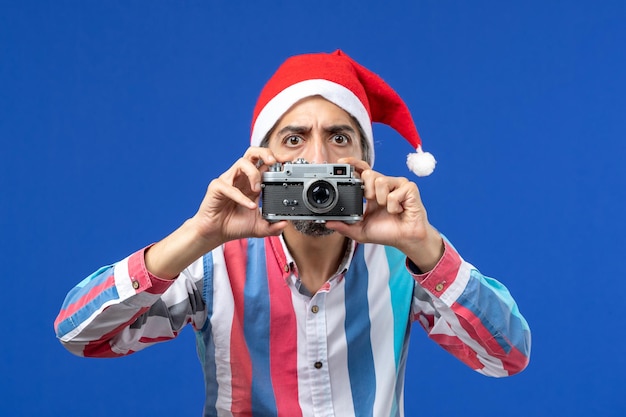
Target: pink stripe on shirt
86, 299
241, 365
283, 340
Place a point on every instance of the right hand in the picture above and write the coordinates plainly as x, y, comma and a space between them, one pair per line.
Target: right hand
230, 208
229, 211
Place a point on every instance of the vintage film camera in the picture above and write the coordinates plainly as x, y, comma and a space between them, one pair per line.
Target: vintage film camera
319, 192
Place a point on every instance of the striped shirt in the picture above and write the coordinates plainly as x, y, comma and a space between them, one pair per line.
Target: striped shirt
268, 349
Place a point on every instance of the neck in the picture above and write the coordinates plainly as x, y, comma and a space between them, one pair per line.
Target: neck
317, 257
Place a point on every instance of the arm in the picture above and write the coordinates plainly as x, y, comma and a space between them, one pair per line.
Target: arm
471, 316
124, 307
229, 211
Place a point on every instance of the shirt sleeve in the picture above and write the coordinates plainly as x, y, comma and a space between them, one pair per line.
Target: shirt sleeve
472, 316
122, 308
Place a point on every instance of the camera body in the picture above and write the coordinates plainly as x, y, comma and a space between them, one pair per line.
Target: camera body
319, 192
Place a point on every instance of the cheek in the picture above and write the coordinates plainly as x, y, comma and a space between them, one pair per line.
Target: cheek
353, 151
283, 154
276, 148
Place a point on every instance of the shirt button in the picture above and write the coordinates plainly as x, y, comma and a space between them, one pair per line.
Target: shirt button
439, 287
135, 284
315, 309
318, 365
286, 268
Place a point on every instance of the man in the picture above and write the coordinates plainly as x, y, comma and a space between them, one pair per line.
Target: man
298, 317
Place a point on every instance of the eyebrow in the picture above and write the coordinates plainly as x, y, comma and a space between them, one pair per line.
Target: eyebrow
305, 129
293, 129
340, 129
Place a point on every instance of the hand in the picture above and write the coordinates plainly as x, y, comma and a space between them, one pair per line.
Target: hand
394, 216
228, 211
230, 208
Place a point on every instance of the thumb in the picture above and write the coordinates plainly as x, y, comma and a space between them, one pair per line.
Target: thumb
273, 229
348, 230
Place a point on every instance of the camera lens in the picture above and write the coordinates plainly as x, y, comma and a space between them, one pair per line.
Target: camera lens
320, 196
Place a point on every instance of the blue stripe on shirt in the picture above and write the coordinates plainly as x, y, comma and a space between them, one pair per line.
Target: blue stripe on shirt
358, 329
401, 286
399, 394
257, 330
481, 291
83, 314
204, 341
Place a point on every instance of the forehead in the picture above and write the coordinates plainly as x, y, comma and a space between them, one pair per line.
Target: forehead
316, 109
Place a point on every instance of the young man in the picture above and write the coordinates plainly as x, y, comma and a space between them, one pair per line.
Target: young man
299, 317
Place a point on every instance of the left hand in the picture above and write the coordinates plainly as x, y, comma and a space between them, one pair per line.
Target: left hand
394, 216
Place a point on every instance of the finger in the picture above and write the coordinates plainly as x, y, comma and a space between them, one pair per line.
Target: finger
272, 229
245, 167
370, 207
220, 187
369, 182
250, 170
353, 231
260, 156
382, 187
407, 193
395, 200
392, 193
358, 164
261, 159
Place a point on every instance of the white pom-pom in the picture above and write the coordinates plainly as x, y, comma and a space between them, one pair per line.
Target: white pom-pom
421, 163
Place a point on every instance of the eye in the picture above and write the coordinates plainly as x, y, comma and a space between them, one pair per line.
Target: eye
340, 139
292, 140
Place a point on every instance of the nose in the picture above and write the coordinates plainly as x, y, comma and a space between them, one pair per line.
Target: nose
316, 152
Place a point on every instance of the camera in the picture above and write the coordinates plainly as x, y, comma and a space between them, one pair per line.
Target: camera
301, 191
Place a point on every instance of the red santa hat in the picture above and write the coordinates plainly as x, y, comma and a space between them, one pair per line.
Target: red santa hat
344, 82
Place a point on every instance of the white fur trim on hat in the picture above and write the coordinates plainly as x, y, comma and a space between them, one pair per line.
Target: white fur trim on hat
333, 92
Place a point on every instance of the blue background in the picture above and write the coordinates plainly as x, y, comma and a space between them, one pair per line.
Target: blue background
114, 117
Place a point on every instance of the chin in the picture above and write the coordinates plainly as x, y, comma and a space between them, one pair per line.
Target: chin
311, 228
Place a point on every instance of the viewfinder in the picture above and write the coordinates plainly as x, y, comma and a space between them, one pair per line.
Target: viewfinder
339, 170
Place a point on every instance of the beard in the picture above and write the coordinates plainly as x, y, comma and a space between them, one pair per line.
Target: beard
311, 228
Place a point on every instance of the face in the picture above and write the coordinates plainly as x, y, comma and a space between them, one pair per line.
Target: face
320, 132
316, 130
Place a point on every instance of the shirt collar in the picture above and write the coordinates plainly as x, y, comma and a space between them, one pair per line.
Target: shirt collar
289, 268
